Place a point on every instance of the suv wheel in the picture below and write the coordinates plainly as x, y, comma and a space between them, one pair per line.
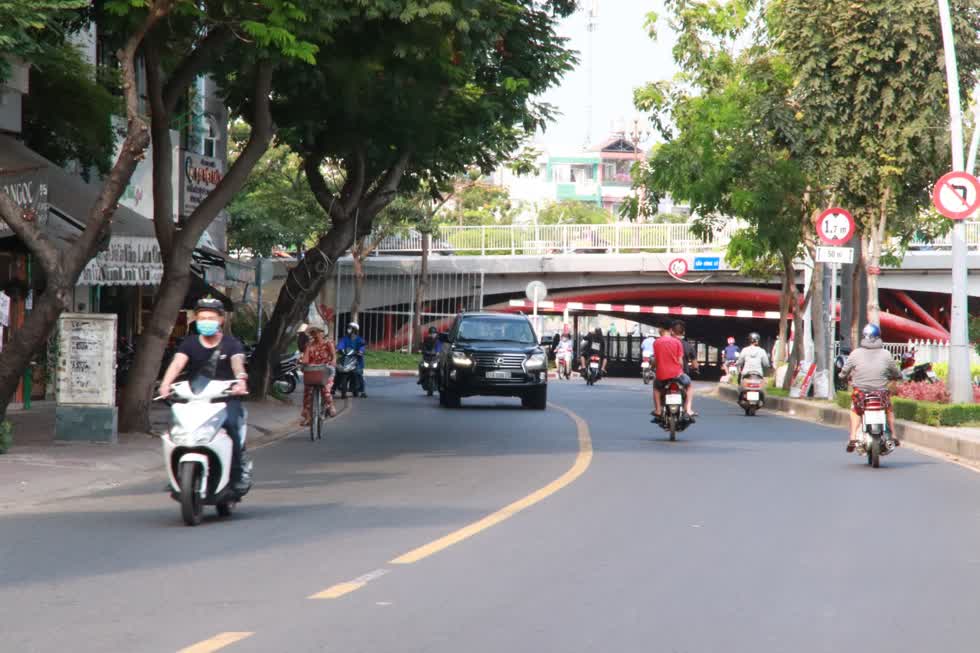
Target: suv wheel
449, 399
535, 399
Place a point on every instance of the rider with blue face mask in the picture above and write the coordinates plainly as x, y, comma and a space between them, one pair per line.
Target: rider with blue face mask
219, 357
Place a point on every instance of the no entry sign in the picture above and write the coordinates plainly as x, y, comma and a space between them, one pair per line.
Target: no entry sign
835, 227
957, 195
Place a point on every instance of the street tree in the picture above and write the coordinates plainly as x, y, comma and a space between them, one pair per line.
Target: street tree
198, 41
62, 267
574, 212
413, 97
870, 91
733, 147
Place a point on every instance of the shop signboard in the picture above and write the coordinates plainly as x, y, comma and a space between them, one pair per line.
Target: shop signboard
199, 175
28, 187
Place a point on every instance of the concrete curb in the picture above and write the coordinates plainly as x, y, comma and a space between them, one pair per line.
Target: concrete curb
942, 440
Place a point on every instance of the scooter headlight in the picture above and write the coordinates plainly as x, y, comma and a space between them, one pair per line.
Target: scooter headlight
202, 434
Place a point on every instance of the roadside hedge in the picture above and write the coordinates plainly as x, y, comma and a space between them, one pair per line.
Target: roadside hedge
925, 412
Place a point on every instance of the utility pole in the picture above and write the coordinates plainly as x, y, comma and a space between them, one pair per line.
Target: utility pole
960, 388
591, 26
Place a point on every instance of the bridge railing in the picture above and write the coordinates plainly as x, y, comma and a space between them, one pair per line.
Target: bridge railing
615, 238
561, 239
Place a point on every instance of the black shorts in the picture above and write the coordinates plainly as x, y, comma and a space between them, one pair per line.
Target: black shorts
683, 379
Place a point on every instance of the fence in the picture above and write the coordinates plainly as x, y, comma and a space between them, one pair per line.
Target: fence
388, 302
619, 237
927, 351
612, 238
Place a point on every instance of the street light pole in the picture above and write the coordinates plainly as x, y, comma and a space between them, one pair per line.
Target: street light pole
960, 389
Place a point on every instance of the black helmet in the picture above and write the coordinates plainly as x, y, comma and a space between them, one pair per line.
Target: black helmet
754, 338
433, 331
597, 331
210, 304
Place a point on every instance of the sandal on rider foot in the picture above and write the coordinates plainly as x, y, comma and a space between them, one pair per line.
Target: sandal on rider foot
851, 446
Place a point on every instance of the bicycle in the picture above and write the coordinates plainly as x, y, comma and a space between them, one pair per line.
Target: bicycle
315, 377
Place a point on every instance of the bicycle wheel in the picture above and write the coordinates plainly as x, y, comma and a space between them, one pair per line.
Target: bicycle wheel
315, 415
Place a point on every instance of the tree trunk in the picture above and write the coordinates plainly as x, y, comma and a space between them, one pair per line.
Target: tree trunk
785, 297
134, 413
420, 287
873, 251
177, 249
303, 284
790, 304
858, 315
63, 267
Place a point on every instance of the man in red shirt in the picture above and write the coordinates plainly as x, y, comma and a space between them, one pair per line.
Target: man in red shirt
668, 359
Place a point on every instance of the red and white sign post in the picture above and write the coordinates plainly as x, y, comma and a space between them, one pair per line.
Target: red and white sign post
835, 227
677, 268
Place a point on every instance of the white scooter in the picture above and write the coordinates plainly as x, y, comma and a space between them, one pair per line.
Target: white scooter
198, 451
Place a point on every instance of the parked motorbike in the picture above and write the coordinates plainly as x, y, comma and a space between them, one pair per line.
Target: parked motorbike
839, 361
731, 372
751, 396
646, 370
428, 371
876, 441
348, 376
674, 418
593, 371
287, 372
197, 450
916, 373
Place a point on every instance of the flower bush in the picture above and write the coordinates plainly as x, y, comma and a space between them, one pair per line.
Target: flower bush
924, 391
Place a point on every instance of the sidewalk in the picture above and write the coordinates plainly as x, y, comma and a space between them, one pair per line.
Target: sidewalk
37, 469
961, 443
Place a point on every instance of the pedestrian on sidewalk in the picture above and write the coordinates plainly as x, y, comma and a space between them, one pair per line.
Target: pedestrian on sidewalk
319, 351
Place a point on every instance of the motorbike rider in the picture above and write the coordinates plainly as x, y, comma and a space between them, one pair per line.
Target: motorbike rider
564, 351
871, 367
671, 358
646, 347
354, 341
220, 357
431, 345
732, 350
593, 344
753, 359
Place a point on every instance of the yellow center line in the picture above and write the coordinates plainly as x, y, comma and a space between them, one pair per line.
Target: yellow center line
338, 590
216, 643
582, 462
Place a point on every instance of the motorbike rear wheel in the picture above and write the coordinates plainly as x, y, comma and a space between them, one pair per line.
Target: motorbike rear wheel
190, 500
672, 427
874, 452
285, 384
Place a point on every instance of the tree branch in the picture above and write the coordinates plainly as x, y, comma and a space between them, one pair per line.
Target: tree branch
388, 186
192, 65
353, 188
28, 231
326, 199
163, 222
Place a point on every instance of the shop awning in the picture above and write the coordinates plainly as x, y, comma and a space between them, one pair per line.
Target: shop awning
132, 257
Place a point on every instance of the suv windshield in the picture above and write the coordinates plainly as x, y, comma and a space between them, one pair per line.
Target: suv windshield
496, 329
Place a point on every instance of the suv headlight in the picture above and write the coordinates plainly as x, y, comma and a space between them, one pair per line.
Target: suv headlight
462, 359
536, 362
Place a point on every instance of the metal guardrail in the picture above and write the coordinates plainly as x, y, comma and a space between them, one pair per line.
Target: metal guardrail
615, 238
562, 239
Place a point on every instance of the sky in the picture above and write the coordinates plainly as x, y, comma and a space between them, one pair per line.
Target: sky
624, 57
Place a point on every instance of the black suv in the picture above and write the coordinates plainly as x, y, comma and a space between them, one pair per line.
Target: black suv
492, 354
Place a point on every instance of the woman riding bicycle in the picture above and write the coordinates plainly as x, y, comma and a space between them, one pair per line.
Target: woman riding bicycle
319, 351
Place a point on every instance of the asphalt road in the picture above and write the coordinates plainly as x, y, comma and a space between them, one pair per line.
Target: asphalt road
750, 534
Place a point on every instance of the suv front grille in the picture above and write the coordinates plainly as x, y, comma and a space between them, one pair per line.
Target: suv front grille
500, 361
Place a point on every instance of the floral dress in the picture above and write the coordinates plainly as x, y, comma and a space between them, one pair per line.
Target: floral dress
320, 352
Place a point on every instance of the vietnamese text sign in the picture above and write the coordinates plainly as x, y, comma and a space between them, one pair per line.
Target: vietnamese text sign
835, 255
87, 359
707, 262
199, 175
29, 190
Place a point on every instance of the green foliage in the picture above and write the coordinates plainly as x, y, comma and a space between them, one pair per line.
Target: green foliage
669, 218
871, 94
924, 412
574, 212
391, 360
975, 334
79, 130
276, 207
6, 436
942, 370
24, 26
478, 204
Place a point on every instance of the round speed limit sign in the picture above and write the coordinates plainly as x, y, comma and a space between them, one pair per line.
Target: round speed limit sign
835, 227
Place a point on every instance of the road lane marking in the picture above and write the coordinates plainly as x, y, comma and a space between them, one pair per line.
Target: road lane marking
582, 462
216, 643
342, 589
